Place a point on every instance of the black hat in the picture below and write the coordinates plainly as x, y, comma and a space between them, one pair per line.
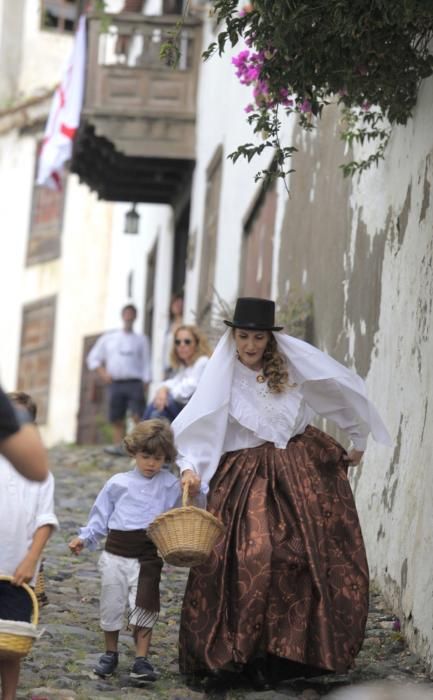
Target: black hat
254, 314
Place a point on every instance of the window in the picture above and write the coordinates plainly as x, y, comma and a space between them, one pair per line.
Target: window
256, 262
36, 352
60, 15
172, 7
209, 236
46, 222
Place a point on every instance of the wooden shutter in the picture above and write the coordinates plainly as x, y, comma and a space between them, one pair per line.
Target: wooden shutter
45, 223
36, 353
210, 233
256, 263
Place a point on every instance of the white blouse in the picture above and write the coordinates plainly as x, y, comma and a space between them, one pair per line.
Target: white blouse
257, 415
184, 382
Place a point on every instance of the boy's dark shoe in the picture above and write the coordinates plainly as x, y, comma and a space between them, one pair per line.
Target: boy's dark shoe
107, 664
143, 670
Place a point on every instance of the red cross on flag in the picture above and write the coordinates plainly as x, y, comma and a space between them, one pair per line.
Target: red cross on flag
64, 116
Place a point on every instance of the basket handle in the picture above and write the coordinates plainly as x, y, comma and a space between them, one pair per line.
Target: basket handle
185, 494
32, 595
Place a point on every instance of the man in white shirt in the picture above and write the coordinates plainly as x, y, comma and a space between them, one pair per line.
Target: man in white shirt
122, 360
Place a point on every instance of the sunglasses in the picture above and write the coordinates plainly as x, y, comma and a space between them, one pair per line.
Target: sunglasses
184, 341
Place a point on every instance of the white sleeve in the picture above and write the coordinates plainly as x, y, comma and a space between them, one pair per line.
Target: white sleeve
97, 356
97, 525
333, 391
45, 506
183, 389
147, 369
330, 400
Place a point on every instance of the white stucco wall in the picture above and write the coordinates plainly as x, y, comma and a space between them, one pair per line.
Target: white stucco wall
89, 279
44, 52
221, 120
78, 279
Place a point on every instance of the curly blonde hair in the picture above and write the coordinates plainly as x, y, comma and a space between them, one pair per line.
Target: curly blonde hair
201, 342
153, 437
275, 368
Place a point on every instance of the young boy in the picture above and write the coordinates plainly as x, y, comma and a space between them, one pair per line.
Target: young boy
27, 522
129, 565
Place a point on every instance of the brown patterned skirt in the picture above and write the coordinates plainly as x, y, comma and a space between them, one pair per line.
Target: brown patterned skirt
289, 580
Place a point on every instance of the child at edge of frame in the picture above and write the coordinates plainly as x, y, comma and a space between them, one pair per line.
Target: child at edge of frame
26, 524
24, 402
130, 566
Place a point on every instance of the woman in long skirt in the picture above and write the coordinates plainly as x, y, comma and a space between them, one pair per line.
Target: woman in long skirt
285, 591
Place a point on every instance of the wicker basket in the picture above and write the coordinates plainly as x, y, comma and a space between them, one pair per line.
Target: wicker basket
185, 536
17, 645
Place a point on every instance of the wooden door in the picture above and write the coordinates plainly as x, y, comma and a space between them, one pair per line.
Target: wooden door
92, 425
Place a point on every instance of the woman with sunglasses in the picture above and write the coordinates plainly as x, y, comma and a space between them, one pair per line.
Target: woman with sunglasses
189, 355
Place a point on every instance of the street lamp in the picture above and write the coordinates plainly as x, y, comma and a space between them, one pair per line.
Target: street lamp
132, 220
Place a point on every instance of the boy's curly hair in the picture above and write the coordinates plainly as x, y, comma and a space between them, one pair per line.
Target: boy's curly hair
153, 437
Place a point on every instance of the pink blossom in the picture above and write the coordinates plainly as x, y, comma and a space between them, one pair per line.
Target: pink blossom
241, 58
305, 106
249, 108
366, 105
245, 10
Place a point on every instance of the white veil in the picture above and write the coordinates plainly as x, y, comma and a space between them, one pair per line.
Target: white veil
327, 386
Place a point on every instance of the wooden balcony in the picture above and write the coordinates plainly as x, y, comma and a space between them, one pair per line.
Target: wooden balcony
136, 140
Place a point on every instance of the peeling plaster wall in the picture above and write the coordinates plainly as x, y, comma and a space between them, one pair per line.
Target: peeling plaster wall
392, 211
315, 232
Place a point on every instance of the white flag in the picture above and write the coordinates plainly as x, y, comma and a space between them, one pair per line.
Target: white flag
64, 116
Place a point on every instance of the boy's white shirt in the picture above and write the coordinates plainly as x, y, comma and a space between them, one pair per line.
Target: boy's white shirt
25, 506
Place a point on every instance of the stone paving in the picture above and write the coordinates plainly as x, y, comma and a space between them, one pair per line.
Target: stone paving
60, 664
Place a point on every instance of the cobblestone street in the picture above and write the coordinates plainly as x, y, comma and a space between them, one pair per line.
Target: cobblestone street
60, 665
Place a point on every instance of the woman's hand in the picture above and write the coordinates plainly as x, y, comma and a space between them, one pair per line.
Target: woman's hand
193, 480
76, 545
161, 398
354, 457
